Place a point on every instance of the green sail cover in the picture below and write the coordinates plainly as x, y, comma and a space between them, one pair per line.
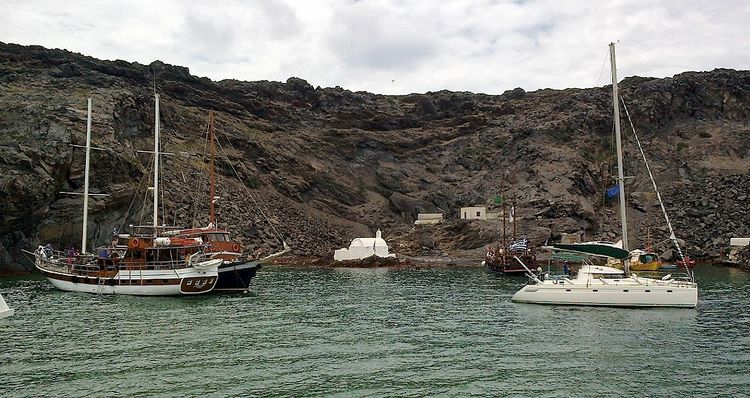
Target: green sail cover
594, 249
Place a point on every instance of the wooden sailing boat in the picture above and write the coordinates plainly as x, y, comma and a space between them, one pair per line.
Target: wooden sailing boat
499, 258
607, 286
150, 265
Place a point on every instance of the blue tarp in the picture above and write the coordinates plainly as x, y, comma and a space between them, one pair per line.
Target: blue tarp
613, 192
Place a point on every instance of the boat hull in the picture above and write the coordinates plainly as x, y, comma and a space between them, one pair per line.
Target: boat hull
189, 281
5, 311
609, 295
505, 270
236, 277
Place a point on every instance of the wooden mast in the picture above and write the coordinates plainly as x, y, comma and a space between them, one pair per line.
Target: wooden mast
212, 165
505, 242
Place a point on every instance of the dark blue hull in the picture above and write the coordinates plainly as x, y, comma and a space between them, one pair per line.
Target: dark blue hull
235, 277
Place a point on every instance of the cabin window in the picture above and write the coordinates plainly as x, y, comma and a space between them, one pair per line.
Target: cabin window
669, 291
567, 290
217, 237
479, 214
625, 290
648, 291
596, 290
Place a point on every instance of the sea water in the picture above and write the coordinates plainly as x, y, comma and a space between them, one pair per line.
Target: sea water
306, 332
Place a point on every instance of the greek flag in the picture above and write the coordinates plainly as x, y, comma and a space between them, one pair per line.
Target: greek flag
519, 245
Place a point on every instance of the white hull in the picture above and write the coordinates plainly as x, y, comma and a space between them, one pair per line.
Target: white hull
608, 295
134, 290
5, 311
141, 282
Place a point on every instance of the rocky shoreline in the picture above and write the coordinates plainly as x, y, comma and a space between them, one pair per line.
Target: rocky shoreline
319, 166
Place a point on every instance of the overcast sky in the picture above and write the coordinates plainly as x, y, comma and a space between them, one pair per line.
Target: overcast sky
397, 46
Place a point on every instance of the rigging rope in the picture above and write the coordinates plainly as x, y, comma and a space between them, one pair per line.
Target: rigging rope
672, 236
598, 80
250, 194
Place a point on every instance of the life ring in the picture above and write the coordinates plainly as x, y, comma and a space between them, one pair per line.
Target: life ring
135, 242
236, 247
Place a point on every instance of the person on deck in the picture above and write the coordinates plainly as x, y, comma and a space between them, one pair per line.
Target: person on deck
566, 268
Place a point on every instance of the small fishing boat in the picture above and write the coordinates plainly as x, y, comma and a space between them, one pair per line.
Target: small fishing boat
5, 311
639, 260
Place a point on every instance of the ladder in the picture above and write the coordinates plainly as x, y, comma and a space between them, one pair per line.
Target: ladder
101, 282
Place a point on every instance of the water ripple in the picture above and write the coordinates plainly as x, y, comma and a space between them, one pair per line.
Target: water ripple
371, 333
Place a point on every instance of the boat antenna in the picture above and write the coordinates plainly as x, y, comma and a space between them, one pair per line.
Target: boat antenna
620, 173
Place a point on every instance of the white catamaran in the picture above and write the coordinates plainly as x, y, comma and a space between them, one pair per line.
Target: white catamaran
606, 286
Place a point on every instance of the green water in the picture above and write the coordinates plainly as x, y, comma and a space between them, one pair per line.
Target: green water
371, 332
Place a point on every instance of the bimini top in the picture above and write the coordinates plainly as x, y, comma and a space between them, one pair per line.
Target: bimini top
601, 249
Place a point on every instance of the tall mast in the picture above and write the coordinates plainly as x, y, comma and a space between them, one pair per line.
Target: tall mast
213, 175
156, 164
513, 210
618, 139
86, 180
503, 207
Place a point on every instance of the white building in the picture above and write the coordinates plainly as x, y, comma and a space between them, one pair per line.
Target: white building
361, 248
474, 213
739, 242
429, 218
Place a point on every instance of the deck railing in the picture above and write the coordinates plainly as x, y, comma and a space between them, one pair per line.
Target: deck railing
88, 264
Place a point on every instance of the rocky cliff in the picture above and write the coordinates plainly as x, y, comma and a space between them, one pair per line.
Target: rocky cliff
319, 166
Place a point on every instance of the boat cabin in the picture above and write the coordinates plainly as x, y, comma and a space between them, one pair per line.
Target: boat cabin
598, 271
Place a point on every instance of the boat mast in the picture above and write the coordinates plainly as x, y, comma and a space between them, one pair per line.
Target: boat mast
86, 179
213, 174
503, 207
513, 210
156, 165
618, 139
